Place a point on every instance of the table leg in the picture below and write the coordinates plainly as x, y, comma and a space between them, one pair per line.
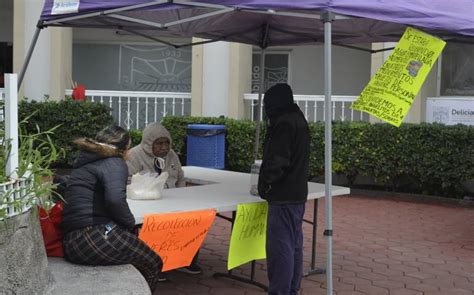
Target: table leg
313, 269
230, 275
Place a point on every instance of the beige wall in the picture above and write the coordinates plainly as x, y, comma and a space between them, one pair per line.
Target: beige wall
18, 37
49, 70
240, 68
61, 62
417, 113
377, 62
196, 79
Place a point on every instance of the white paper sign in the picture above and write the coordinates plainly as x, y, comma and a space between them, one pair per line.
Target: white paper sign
65, 6
450, 110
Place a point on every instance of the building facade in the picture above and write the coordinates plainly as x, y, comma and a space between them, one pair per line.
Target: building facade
218, 76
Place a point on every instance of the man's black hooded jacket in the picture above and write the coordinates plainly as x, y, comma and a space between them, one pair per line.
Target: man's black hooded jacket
284, 171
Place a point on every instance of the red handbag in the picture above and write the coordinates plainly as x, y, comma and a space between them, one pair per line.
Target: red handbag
51, 228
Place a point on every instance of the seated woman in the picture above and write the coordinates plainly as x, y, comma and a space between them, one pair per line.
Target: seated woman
96, 217
154, 154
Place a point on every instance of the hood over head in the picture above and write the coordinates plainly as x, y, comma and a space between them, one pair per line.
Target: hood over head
151, 133
278, 100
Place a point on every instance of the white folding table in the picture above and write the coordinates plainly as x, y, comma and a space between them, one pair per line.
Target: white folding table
223, 191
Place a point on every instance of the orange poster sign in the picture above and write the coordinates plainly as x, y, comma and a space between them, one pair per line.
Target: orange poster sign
176, 237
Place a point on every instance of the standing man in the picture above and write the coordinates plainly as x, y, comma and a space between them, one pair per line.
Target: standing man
283, 183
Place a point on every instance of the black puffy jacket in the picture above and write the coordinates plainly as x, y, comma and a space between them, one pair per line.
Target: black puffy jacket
96, 189
285, 167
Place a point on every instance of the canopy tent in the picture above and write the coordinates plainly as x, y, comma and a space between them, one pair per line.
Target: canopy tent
288, 22
267, 23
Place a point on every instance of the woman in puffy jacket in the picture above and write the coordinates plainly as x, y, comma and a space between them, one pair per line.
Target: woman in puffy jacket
96, 217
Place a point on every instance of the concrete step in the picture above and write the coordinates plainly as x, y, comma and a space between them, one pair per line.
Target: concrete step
74, 279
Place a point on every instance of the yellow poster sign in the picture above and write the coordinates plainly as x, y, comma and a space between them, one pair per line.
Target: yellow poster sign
247, 241
390, 93
176, 237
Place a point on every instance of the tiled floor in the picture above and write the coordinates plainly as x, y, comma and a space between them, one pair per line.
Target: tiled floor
381, 246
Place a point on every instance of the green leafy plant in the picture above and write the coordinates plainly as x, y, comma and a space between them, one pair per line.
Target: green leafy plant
36, 152
135, 136
71, 120
431, 159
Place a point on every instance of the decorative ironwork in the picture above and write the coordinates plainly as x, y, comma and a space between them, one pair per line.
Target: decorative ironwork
155, 68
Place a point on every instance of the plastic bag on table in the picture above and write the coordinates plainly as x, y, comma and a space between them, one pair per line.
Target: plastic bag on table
147, 186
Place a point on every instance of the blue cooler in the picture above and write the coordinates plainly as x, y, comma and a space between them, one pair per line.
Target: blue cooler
206, 146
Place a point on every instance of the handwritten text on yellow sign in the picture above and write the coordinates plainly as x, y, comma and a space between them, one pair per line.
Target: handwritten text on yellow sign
247, 241
391, 92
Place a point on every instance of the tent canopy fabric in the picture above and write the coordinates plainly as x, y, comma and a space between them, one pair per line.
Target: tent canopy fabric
271, 22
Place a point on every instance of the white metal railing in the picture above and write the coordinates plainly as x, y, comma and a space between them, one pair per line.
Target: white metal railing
135, 109
12, 192
313, 107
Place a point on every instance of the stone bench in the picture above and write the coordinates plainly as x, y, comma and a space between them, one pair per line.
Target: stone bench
68, 278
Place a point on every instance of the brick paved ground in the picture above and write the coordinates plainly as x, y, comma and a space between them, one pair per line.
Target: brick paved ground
380, 247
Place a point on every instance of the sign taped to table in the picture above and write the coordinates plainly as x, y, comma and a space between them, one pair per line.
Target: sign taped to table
176, 237
247, 241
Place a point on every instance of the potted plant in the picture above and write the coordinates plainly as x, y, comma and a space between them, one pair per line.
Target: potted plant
22, 255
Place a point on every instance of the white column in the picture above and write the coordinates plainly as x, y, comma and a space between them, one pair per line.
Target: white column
37, 81
215, 80
61, 62
378, 60
196, 79
240, 79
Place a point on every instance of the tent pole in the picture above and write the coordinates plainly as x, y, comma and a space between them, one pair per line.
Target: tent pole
259, 103
39, 26
327, 18
263, 45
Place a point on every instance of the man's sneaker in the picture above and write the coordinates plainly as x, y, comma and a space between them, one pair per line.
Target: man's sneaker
193, 269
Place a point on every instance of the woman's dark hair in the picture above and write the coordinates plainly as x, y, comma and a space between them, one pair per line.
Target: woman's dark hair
114, 135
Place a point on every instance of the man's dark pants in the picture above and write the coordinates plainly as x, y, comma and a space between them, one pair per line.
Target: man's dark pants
285, 248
